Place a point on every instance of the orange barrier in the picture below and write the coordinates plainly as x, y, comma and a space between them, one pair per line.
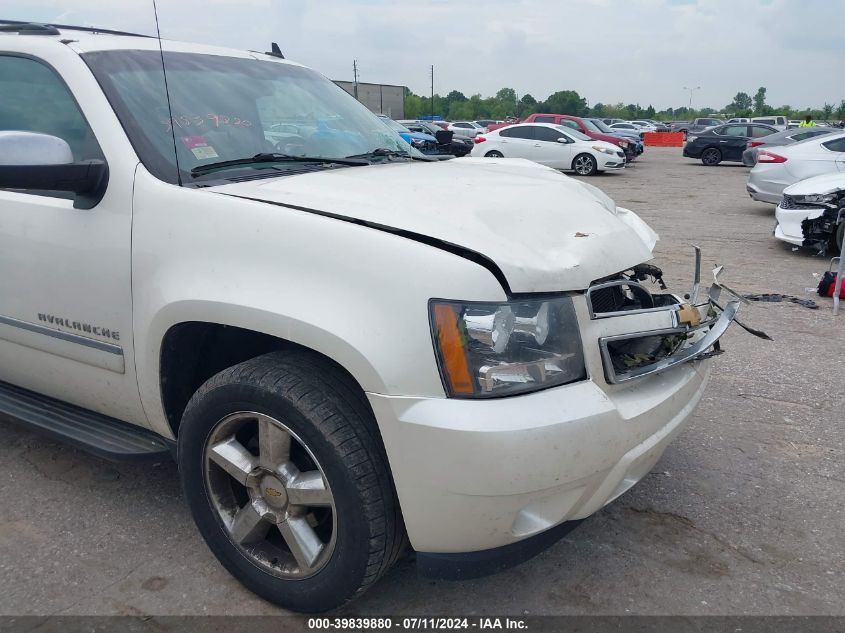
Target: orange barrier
663, 139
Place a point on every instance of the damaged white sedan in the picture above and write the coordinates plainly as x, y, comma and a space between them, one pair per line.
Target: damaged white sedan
811, 213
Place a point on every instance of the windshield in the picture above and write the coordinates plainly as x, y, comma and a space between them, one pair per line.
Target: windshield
229, 108
595, 125
394, 125
573, 133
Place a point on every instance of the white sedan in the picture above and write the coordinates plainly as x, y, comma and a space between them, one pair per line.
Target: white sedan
779, 167
551, 145
812, 213
470, 129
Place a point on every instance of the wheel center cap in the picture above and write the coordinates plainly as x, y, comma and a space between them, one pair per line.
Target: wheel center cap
273, 492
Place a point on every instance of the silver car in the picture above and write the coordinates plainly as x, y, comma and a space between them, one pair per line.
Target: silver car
787, 137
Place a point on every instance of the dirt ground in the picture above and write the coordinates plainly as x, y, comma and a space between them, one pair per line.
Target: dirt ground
743, 515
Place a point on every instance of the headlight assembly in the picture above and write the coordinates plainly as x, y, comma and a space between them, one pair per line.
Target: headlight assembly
604, 150
623, 144
500, 349
815, 198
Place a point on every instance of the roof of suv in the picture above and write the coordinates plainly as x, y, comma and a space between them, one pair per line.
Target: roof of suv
88, 39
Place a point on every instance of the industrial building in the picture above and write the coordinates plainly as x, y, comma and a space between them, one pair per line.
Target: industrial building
380, 98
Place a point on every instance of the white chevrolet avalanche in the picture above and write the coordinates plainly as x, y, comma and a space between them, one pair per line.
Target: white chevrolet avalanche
233, 263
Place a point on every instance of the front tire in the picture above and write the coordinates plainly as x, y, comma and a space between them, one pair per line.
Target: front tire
287, 480
711, 156
493, 154
839, 237
585, 165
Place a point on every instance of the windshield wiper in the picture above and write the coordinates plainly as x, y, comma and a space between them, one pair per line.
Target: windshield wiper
273, 157
380, 152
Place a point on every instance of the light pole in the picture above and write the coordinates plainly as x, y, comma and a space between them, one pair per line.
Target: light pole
690, 95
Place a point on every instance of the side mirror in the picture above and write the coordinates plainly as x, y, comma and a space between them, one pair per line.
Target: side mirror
564, 140
29, 160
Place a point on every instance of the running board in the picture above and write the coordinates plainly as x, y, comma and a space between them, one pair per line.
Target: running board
92, 432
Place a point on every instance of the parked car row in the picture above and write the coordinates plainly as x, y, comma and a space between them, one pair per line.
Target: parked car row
801, 170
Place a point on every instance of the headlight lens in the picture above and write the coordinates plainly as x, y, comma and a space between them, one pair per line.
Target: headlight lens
815, 198
623, 144
500, 349
604, 150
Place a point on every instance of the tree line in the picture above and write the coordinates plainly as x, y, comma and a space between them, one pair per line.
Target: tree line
506, 102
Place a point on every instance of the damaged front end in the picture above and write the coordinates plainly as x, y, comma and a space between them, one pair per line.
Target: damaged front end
641, 333
825, 222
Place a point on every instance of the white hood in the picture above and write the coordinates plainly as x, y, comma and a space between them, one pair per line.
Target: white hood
545, 231
826, 183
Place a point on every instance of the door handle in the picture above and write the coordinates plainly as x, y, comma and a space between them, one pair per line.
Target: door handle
723, 141
537, 145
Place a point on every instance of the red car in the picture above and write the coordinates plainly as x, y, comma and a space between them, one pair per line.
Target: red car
577, 123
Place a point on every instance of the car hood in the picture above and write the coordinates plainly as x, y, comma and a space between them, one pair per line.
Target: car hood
826, 183
420, 136
545, 231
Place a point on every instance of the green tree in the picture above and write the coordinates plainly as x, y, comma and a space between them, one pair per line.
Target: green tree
840, 111
650, 112
760, 100
414, 106
828, 111
598, 111
741, 103
565, 102
455, 95
461, 110
527, 105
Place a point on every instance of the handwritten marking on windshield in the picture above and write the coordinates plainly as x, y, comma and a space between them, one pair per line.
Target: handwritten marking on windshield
210, 120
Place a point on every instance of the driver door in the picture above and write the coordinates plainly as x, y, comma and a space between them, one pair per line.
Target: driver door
65, 291
552, 148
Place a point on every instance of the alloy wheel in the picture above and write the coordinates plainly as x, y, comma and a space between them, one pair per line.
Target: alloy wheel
271, 495
584, 165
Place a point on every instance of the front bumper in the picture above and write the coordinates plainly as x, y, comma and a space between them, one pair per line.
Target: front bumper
474, 475
477, 475
789, 228
606, 162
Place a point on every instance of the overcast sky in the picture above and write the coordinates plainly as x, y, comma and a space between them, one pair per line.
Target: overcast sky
636, 51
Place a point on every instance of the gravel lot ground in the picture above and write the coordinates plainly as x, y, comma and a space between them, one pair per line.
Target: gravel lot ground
743, 515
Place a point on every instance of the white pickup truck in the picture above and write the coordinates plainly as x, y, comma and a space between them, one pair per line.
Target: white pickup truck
245, 270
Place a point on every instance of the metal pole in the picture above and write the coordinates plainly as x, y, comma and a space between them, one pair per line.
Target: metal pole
838, 287
432, 90
355, 78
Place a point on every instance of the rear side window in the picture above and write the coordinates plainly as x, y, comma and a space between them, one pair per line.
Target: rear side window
733, 130
569, 123
519, 131
766, 121
758, 130
836, 145
544, 119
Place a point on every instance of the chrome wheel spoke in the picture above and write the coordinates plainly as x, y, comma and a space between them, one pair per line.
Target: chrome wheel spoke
302, 540
248, 526
264, 455
273, 445
309, 489
232, 457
